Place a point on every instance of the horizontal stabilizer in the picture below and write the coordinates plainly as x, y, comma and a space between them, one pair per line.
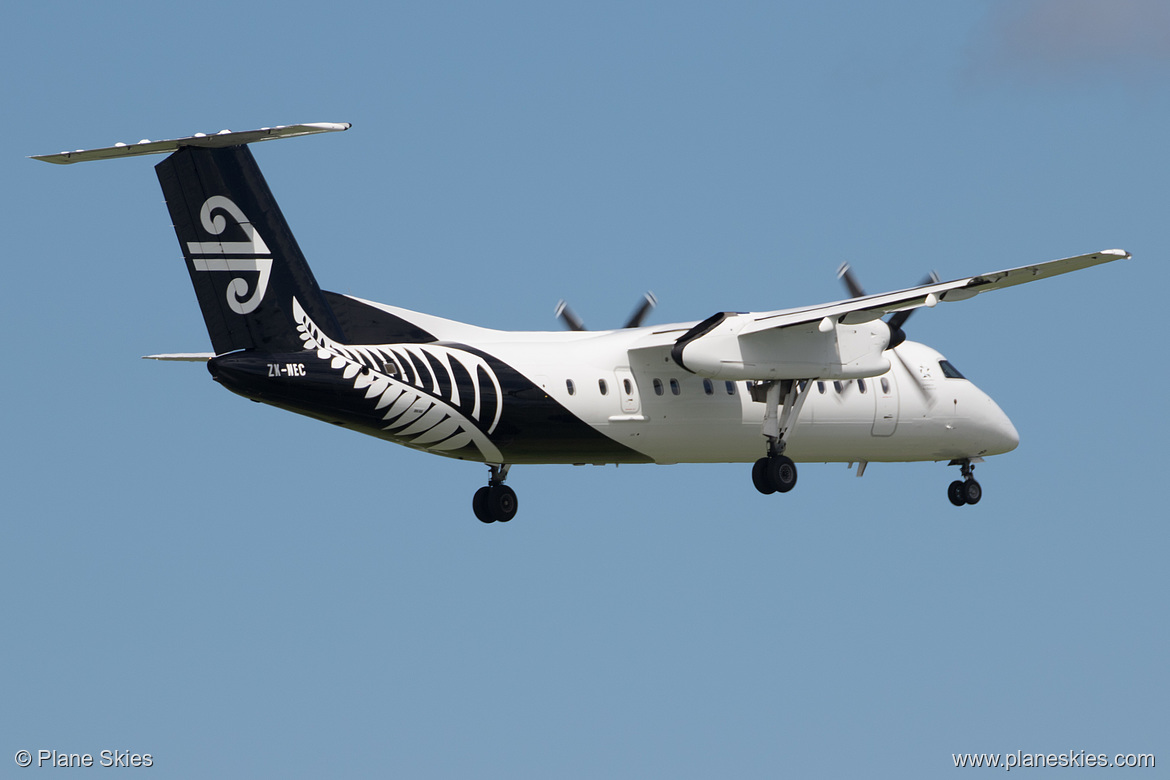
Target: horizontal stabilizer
186, 357
217, 140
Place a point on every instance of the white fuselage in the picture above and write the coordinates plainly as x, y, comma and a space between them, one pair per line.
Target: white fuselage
624, 384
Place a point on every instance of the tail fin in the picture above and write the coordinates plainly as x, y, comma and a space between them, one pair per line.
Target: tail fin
244, 262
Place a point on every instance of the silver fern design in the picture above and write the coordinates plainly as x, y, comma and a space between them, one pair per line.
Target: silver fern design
437, 398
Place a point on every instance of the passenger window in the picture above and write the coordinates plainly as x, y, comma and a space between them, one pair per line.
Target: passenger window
603, 387
390, 368
657, 386
730, 387
821, 388
861, 385
629, 388
885, 385
803, 384
708, 387
674, 388
838, 387
570, 386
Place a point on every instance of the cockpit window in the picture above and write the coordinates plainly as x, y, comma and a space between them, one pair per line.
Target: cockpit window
949, 371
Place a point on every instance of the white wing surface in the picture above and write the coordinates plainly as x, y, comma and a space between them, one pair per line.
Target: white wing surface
872, 307
841, 340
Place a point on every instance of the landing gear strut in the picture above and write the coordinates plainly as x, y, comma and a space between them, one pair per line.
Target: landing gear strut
965, 490
495, 502
776, 473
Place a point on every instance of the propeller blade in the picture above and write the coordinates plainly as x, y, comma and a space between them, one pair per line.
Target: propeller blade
648, 303
897, 335
845, 274
568, 316
898, 319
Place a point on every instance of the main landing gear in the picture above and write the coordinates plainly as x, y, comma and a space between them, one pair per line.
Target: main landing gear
776, 473
965, 490
495, 502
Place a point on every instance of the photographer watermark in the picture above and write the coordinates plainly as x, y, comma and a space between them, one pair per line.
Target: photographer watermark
1072, 758
104, 758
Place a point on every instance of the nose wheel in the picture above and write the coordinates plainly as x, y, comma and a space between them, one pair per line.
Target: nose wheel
965, 490
495, 502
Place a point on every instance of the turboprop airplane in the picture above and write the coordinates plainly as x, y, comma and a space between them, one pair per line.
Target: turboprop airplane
826, 383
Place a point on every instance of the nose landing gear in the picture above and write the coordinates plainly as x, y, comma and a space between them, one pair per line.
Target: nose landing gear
495, 502
965, 490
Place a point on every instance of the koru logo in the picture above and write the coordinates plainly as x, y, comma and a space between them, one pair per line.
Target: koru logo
235, 256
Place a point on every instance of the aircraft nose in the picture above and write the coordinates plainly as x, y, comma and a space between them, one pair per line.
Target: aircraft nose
998, 432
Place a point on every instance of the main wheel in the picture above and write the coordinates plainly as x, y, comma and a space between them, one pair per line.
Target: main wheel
956, 493
781, 473
502, 503
972, 491
760, 477
479, 505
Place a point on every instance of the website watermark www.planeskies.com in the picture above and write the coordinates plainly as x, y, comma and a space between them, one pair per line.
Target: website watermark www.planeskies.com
1072, 758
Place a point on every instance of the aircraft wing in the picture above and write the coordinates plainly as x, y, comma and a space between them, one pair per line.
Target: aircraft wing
872, 307
841, 340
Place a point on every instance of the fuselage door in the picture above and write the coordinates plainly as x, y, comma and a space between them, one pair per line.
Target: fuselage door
885, 414
627, 391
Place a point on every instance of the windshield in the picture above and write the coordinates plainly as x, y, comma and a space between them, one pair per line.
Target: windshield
949, 371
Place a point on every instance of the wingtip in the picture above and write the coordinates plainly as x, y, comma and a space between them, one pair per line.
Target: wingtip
329, 127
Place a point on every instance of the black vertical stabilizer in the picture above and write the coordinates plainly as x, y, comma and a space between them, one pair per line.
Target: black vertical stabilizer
244, 262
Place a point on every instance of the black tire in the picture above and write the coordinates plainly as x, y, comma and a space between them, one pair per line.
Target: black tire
781, 473
972, 492
479, 505
956, 493
502, 503
760, 477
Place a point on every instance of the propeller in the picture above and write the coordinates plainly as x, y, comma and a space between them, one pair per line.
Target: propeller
645, 306
896, 323
573, 322
898, 319
568, 316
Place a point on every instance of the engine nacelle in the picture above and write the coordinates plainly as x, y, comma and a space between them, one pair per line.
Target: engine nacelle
794, 352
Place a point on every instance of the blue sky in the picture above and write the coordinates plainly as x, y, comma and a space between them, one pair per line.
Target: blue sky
244, 592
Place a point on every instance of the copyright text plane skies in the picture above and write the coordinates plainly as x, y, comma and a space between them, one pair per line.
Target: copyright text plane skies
827, 383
